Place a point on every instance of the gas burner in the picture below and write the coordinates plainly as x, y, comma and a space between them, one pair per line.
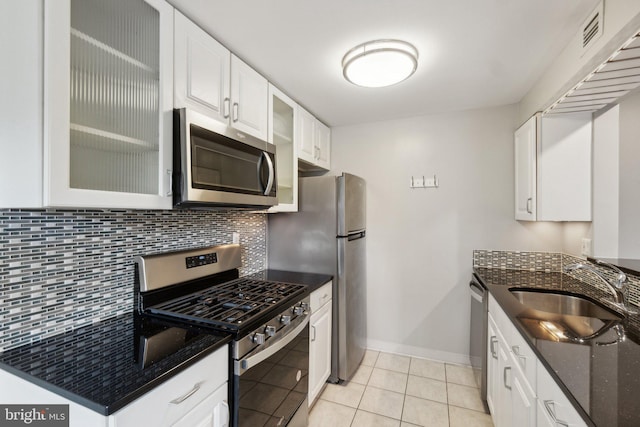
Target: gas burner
230, 305
243, 307
207, 300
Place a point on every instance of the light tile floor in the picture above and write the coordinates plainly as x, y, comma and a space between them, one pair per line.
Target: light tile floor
390, 390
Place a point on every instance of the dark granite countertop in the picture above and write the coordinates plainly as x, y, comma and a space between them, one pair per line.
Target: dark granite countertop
100, 366
312, 280
601, 376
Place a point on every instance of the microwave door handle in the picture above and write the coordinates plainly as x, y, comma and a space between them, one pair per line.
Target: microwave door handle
271, 174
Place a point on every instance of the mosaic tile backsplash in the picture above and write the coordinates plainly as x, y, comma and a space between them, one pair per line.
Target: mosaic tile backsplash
552, 262
63, 269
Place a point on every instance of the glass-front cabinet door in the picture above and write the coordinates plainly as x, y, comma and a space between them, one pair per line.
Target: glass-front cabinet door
282, 112
108, 103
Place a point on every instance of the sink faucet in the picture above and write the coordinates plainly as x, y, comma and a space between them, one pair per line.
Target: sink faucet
619, 287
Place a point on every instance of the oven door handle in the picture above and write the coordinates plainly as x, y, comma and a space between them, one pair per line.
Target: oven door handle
241, 366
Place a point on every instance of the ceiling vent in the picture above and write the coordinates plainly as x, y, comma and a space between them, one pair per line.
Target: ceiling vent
591, 30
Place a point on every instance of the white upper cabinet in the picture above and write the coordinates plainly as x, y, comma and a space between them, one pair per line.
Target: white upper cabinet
282, 123
323, 138
553, 168
525, 169
249, 99
202, 71
213, 81
106, 100
314, 142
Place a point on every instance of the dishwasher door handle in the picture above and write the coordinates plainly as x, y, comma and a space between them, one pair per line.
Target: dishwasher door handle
477, 291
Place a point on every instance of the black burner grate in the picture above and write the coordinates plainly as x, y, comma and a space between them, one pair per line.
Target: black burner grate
230, 305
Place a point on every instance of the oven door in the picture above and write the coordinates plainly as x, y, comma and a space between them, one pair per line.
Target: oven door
220, 165
270, 387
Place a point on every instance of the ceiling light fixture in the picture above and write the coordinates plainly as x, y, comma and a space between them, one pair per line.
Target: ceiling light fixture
380, 63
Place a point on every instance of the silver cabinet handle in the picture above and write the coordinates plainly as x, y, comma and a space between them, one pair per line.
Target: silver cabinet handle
504, 377
313, 328
493, 341
225, 108
222, 413
516, 351
235, 112
529, 205
190, 393
170, 190
550, 406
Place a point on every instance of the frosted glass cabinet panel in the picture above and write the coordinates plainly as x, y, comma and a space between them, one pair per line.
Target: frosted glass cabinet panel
282, 120
108, 103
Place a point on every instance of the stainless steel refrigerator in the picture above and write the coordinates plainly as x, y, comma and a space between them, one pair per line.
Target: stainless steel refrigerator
327, 235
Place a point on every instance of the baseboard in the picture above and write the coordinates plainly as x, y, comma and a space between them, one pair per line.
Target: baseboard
425, 353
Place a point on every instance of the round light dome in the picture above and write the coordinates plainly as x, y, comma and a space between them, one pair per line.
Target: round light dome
380, 63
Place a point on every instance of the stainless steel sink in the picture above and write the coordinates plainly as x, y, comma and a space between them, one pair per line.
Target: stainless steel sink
563, 304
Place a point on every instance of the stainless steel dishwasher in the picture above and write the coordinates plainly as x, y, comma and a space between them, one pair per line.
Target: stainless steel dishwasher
478, 333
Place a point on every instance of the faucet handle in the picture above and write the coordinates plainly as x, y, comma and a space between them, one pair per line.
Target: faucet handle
622, 277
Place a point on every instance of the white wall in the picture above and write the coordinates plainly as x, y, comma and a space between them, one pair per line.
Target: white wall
420, 241
605, 183
629, 179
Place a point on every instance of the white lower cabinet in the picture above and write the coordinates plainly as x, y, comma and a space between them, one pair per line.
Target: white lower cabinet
213, 411
196, 397
319, 340
520, 391
554, 408
191, 398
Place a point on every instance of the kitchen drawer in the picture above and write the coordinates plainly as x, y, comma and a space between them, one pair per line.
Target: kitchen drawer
523, 355
553, 402
171, 400
320, 297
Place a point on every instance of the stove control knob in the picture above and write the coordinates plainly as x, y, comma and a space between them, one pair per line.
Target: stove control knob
270, 330
285, 319
258, 338
297, 310
304, 305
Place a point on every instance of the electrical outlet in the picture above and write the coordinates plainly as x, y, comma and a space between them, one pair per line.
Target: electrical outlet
235, 236
586, 247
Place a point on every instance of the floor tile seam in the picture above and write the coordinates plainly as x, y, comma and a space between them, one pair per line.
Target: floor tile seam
425, 376
464, 407
335, 403
430, 400
390, 370
464, 385
386, 389
428, 378
380, 415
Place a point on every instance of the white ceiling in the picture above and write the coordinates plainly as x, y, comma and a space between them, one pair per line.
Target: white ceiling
473, 53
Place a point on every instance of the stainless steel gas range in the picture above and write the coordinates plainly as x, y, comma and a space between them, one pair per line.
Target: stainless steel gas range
269, 321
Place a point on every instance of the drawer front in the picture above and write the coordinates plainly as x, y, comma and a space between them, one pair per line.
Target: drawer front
553, 401
176, 397
321, 296
523, 356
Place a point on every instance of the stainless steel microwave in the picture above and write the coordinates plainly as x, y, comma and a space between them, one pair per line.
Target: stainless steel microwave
215, 165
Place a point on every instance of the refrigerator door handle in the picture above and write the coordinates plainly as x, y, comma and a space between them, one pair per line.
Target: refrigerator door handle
356, 236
